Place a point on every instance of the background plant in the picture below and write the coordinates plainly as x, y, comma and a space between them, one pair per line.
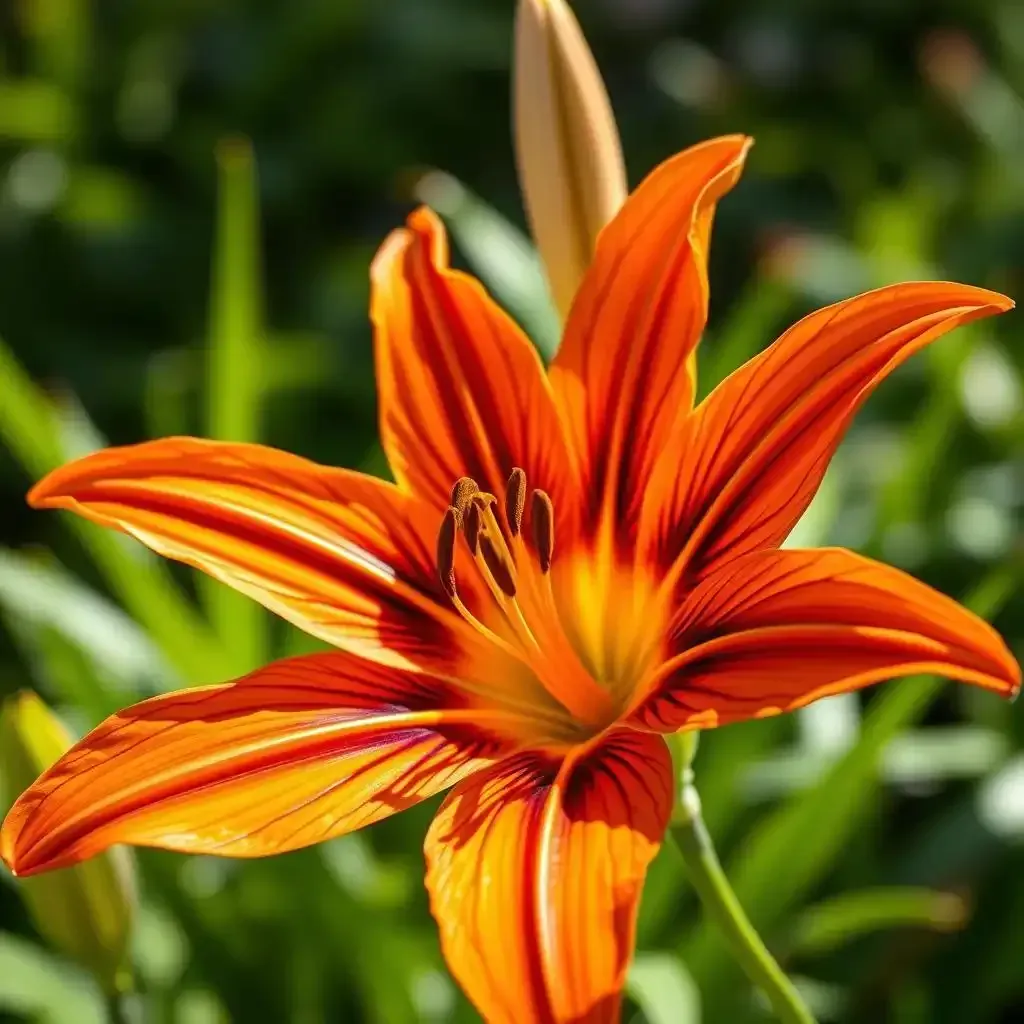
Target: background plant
150, 284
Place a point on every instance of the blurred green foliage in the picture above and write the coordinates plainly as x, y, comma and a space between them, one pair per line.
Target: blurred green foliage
150, 275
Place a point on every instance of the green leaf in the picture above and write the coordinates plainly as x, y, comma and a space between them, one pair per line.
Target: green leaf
36, 985
35, 111
235, 380
829, 925
35, 432
663, 990
47, 595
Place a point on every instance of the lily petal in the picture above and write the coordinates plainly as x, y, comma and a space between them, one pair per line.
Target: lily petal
346, 557
775, 630
535, 872
751, 457
462, 391
293, 754
622, 378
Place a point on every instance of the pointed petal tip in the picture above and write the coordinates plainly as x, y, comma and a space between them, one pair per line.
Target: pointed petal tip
736, 146
45, 493
423, 220
1013, 678
8, 851
985, 301
988, 300
423, 227
388, 251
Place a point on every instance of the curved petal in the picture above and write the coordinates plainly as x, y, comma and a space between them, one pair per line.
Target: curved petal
346, 557
293, 754
462, 391
740, 473
535, 872
775, 630
622, 378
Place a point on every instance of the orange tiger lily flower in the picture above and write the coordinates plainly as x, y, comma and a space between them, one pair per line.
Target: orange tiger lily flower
572, 564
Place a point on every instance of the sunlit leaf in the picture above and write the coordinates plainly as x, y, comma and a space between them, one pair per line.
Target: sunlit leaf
34, 432
235, 369
662, 988
828, 926
38, 986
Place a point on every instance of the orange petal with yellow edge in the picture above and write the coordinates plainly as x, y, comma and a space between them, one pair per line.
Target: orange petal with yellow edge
622, 377
751, 457
343, 556
293, 754
775, 630
462, 391
535, 871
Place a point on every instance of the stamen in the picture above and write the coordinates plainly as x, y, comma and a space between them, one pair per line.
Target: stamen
446, 549
471, 526
523, 620
515, 500
464, 489
542, 522
499, 566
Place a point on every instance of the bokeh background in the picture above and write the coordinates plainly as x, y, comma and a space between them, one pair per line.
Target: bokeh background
148, 287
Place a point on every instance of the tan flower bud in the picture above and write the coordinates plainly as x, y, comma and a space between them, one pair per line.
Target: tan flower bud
571, 170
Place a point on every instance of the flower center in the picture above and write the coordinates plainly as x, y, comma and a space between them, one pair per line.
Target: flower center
516, 608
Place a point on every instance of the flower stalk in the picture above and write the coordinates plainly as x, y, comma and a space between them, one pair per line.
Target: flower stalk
717, 897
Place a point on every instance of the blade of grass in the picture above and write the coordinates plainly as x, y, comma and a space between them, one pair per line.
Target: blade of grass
831, 924
234, 385
44, 596
30, 427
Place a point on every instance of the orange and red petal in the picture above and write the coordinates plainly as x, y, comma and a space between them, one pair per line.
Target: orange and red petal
623, 377
462, 391
345, 557
535, 871
775, 630
740, 473
293, 754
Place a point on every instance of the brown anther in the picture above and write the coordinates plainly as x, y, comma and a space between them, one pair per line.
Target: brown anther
471, 526
515, 500
463, 491
542, 522
446, 549
496, 564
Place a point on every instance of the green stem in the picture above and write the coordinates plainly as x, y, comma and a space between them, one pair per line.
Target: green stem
720, 904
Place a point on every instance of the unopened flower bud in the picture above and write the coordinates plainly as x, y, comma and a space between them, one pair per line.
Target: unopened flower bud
571, 170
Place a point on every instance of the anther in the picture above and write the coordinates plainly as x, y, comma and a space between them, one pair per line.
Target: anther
446, 549
515, 500
542, 522
464, 489
499, 568
471, 526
